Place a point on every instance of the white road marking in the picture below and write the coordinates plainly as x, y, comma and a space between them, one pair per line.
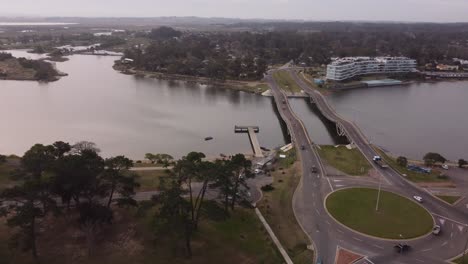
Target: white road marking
340, 231
369, 260
317, 211
328, 222
377, 246
451, 234
355, 238
442, 221
337, 180
419, 260
331, 187
455, 221
443, 244
339, 185
460, 228
427, 249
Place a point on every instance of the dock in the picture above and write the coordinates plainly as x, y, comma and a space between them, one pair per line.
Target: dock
251, 130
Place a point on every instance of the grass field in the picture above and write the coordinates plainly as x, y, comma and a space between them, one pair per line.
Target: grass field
132, 239
449, 198
276, 206
150, 180
289, 160
397, 217
461, 260
411, 175
349, 161
286, 82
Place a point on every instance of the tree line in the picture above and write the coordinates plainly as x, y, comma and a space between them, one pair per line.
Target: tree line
63, 180
245, 55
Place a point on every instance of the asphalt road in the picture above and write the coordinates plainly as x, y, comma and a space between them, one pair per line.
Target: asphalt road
326, 234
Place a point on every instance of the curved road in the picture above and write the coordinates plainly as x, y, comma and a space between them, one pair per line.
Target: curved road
326, 234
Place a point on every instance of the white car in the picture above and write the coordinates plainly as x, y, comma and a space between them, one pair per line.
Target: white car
445, 167
418, 198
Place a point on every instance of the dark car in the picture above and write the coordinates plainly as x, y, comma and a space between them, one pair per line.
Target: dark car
401, 248
302, 147
313, 169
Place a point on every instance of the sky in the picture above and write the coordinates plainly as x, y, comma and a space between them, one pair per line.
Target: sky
370, 10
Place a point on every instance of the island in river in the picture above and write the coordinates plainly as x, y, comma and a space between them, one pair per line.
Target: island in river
12, 68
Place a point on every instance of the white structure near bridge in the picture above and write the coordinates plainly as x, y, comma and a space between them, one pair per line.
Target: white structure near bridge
344, 68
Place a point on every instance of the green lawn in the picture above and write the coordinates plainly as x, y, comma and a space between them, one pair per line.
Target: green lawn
449, 198
349, 161
286, 82
411, 175
289, 160
461, 260
150, 180
396, 216
276, 207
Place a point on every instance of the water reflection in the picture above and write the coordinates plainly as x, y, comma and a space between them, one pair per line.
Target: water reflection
129, 115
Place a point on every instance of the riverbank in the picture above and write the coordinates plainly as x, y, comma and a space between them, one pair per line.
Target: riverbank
256, 87
22, 69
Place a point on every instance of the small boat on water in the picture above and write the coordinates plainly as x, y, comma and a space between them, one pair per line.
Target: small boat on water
208, 138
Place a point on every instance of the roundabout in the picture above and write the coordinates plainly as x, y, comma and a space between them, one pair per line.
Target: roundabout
396, 218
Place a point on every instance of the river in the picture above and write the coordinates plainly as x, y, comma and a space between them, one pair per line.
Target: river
128, 115
411, 120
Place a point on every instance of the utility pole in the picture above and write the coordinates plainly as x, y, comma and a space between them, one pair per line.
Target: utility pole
378, 194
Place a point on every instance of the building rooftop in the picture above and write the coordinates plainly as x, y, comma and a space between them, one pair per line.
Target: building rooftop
346, 60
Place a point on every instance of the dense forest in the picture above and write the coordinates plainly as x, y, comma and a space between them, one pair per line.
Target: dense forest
245, 55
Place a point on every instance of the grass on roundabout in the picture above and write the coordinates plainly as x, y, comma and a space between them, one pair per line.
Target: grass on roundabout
397, 217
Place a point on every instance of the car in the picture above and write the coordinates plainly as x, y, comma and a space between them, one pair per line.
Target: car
302, 147
418, 198
445, 167
313, 169
401, 248
436, 230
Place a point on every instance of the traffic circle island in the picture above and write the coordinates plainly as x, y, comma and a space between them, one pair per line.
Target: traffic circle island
395, 217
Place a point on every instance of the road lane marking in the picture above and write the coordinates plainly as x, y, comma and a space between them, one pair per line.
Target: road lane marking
460, 228
355, 238
339, 185
427, 249
446, 218
331, 187
451, 234
377, 246
442, 221
445, 243
337, 180
317, 211
340, 231
419, 260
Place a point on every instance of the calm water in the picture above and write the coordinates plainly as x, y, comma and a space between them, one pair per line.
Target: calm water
128, 115
411, 120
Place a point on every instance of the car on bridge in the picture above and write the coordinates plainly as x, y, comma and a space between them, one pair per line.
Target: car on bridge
313, 169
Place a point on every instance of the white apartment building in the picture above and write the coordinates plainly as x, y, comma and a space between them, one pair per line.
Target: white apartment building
344, 68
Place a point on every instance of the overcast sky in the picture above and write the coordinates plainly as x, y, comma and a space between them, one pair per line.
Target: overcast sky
392, 10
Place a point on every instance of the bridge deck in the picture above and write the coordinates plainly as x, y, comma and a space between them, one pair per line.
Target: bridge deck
254, 141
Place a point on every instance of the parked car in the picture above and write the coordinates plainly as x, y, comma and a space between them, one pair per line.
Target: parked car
302, 147
445, 167
436, 230
418, 198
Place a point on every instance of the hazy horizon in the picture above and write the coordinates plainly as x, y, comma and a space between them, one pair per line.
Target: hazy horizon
312, 10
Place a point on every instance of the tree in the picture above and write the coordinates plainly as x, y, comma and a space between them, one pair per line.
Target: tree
93, 217
462, 163
117, 180
431, 158
173, 216
162, 158
84, 145
37, 159
402, 161
242, 170
164, 33
3, 159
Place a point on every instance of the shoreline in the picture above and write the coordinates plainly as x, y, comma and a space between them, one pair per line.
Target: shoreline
244, 86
